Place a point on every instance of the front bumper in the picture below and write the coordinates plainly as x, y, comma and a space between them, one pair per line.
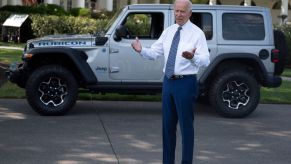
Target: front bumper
16, 74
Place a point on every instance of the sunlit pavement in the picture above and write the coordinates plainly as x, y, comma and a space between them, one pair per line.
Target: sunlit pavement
105, 132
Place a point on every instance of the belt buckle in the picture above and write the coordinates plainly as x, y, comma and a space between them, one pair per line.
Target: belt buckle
175, 77
181, 76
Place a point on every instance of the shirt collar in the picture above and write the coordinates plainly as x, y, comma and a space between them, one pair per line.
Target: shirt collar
185, 25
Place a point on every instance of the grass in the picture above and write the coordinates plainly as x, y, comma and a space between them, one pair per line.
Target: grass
287, 72
281, 95
11, 44
8, 56
9, 90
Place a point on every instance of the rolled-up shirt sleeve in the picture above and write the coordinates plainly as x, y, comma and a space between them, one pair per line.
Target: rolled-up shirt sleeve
201, 55
155, 51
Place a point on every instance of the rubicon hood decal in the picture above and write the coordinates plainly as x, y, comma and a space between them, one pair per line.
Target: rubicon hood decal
64, 41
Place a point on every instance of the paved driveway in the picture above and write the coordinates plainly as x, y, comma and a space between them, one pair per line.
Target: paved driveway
101, 132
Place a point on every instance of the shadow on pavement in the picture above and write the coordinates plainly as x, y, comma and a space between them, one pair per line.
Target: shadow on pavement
106, 132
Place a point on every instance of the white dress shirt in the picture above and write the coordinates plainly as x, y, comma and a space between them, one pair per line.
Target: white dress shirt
191, 37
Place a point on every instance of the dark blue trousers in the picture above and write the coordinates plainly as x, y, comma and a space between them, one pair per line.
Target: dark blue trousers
178, 98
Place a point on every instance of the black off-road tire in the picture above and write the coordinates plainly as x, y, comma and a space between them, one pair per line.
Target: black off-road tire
234, 93
281, 45
51, 90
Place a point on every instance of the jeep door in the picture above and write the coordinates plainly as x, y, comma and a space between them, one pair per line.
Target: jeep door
126, 65
206, 21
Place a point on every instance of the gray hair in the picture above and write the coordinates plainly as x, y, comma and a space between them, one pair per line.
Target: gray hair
189, 3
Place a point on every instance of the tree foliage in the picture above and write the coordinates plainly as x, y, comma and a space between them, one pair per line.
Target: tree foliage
50, 25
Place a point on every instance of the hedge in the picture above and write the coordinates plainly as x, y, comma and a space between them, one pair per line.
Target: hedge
50, 19
50, 25
45, 9
83, 12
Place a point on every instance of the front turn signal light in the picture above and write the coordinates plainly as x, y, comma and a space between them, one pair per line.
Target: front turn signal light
28, 56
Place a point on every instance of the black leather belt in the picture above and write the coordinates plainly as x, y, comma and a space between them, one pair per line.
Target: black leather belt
177, 77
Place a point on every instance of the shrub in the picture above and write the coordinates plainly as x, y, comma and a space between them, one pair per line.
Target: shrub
51, 9
102, 15
50, 25
47, 9
138, 24
74, 12
83, 12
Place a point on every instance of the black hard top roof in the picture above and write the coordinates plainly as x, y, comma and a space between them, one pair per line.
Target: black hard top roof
194, 6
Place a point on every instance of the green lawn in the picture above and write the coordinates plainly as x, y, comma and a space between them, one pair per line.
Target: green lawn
8, 90
268, 95
287, 72
281, 95
10, 44
10, 56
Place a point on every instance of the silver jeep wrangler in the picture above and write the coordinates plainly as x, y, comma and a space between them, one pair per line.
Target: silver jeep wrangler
246, 53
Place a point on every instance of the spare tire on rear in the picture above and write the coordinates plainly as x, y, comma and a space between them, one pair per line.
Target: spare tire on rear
281, 45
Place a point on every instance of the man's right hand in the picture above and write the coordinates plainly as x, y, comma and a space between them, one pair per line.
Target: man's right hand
136, 45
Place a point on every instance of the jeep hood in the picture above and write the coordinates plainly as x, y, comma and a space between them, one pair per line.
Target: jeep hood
62, 41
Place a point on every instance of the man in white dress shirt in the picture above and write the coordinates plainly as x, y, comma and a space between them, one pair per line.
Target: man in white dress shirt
180, 88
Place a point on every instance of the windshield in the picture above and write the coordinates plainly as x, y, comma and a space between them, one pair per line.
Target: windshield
109, 24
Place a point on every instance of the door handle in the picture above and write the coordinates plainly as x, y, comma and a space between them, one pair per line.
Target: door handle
113, 50
114, 69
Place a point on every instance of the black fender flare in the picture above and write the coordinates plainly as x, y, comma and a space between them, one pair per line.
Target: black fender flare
235, 56
77, 57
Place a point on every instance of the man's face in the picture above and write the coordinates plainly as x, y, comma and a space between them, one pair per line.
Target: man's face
182, 14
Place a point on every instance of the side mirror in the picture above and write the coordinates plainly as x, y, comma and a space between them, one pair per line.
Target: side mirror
121, 32
100, 40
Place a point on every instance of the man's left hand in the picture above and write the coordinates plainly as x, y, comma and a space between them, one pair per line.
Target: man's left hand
189, 55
